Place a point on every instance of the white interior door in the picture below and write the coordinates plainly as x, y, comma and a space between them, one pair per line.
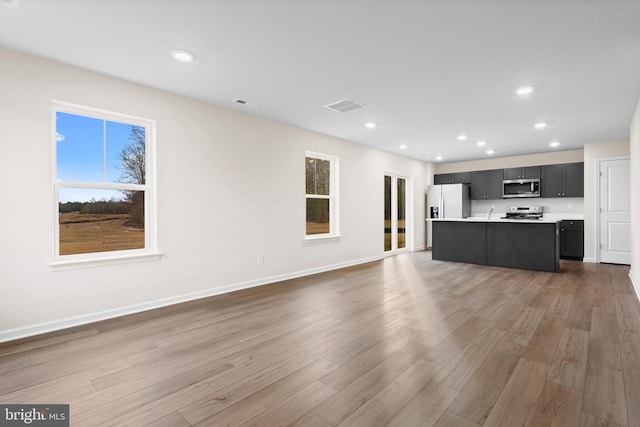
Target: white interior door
615, 211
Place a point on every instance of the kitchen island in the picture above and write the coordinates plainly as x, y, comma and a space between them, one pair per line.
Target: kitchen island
528, 244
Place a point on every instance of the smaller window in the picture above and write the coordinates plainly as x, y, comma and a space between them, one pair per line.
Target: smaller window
321, 179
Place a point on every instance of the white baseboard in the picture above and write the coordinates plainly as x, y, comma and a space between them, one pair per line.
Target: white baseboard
420, 248
590, 260
41, 328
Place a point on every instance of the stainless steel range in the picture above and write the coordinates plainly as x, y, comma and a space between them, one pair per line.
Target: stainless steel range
524, 212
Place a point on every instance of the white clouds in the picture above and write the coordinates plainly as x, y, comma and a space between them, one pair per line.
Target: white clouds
60, 137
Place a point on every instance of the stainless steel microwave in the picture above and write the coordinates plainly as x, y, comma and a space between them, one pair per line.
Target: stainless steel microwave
520, 188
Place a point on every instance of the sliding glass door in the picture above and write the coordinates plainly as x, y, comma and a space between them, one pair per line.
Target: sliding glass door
395, 213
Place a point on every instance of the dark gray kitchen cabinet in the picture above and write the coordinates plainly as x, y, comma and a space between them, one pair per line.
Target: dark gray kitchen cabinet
452, 178
566, 180
442, 178
486, 185
572, 239
460, 242
573, 179
530, 172
551, 182
532, 246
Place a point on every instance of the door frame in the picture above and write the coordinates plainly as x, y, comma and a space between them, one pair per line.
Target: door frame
598, 207
408, 247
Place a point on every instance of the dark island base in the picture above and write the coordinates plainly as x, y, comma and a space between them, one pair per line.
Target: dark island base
530, 246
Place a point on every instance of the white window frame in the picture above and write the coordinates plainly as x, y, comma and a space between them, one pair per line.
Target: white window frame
333, 197
150, 251
408, 206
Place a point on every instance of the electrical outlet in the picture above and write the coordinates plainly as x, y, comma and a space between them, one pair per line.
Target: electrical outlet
570, 205
260, 259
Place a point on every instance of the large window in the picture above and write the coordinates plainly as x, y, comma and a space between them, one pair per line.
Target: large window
321, 194
103, 184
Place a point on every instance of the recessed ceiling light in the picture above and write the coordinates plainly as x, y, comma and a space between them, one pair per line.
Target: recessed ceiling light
524, 90
481, 143
369, 125
403, 146
462, 137
490, 151
183, 55
554, 144
540, 125
438, 158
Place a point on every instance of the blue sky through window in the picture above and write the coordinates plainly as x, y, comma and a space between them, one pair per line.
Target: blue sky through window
87, 150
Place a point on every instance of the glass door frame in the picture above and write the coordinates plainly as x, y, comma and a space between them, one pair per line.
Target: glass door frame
393, 221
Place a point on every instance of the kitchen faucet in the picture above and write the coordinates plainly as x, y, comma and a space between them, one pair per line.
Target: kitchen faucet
489, 213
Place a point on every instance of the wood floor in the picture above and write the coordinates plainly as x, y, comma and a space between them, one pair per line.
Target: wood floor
406, 341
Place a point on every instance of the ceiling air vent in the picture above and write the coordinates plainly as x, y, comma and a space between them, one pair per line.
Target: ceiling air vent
345, 105
245, 103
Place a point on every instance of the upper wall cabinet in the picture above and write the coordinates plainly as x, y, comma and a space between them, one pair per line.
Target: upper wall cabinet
531, 172
452, 178
486, 184
563, 180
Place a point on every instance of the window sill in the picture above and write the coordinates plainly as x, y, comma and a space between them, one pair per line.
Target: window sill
321, 237
73, 264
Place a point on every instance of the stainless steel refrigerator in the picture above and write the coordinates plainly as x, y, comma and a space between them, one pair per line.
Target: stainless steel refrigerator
447, 201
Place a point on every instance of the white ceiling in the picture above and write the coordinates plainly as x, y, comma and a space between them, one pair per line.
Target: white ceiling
427, 70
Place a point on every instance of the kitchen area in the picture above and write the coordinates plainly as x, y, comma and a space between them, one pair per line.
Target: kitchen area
523, 217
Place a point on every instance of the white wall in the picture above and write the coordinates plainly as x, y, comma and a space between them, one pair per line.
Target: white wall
230, 187
635, 200
565, 207
593, 153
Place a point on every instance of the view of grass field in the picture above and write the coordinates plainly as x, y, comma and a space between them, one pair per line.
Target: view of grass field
101, 183
87, 233
318, 228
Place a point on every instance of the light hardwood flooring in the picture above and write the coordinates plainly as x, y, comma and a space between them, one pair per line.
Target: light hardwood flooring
406, 341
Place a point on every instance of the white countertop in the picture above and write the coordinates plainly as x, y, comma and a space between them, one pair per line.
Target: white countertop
565, 216
543, 220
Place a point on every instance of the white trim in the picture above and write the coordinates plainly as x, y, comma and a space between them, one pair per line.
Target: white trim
150, 251
590, 260
408, 213
333, 197
419, 248
28, 331
110, 258
319, 237
388, 254
97, 113
103, 185
321, 156
596, 226
409, 217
